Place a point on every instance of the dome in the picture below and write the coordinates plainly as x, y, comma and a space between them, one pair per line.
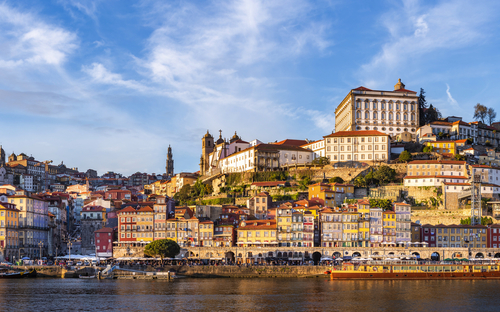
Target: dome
207, 135
235, 137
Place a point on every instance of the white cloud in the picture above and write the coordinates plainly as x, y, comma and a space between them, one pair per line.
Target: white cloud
451, 100
417, 30
28, 40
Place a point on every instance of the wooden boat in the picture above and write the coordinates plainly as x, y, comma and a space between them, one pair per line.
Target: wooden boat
415, 270
12, 275
86, 276
31, 273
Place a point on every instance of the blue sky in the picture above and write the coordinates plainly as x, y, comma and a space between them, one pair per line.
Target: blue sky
109, 85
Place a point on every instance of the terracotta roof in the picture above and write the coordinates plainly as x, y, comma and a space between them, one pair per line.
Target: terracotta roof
127, 209
441, 123
402, 204
356, 133
437, 162
404, 90
361, 88
436, 176
291, 142
241, 141
104, 230
146, 209
363, 202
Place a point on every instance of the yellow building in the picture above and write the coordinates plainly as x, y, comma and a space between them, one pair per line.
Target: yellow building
389, 225
261, 233
284, 225
145, 225
297, 228
171, 229
332, 194
443, 147
364, 223
324, 192
350, 226
206, 233
9, 232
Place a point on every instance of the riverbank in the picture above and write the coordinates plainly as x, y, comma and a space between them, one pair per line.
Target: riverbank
203, 271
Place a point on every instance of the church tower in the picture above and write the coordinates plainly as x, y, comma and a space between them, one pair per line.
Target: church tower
2, 156
206, 149
169, 169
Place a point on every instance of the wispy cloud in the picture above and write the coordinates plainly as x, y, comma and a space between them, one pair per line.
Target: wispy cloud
451, 100
28, 40
416, 30
215, 58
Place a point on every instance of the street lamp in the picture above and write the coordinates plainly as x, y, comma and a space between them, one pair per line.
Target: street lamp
40, 244
69, 244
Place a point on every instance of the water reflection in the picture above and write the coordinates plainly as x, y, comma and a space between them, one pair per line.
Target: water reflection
277, 294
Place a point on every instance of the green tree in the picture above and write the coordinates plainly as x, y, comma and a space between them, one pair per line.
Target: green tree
336, 180
304, 183
428, 149
432, 114
359, 181
468, 141
184, 194
385, 174
163, 248
459, 157
422, 106
209, 189
405, 156
321, 161
370, 179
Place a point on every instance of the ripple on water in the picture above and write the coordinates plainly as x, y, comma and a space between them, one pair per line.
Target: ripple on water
246, 295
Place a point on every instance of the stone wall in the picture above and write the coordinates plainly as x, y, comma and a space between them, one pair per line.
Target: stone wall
132, 252
436, 216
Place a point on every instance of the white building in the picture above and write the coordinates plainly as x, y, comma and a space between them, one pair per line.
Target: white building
357, 146
391, 112
318, 148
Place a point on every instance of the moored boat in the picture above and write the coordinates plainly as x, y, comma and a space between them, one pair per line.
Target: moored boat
12, 275
415, 270
86, 276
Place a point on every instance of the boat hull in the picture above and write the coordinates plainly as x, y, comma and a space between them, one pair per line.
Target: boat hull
413, 276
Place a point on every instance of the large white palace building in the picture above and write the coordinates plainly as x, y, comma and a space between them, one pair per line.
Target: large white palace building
390, 112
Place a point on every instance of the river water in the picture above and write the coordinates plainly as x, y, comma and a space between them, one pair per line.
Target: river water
258, 294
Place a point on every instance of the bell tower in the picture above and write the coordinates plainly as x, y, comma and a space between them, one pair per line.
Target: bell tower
206, 149
2, 156
169, 168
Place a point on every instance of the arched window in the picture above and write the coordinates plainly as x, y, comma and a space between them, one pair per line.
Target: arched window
374, 115
357, 105
398, 117
358, 115
405, 117
382, 116
382, 105
367, 115
412, 117
390, 116
405, 106
374, 105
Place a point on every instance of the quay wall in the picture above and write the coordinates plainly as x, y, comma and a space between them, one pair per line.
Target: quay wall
250, 271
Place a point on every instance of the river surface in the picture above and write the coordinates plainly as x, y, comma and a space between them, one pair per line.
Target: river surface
258, 294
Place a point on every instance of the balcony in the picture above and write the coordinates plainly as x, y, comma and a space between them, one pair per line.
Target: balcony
364, 219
